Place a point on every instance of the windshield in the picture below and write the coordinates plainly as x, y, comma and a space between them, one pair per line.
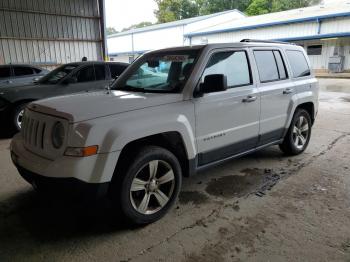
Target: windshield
57, 75
162, 72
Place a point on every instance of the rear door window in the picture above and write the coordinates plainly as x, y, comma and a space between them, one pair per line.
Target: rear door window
86, 74
100, 72
5, 72
298, 63
233, 64
22, 71
267, 66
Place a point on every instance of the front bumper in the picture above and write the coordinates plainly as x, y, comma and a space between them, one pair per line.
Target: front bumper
84, 175
64, 187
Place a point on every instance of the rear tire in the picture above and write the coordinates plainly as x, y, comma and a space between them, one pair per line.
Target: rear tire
298, 136
149, 186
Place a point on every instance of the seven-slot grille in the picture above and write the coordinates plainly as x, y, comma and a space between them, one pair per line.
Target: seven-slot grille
33, 132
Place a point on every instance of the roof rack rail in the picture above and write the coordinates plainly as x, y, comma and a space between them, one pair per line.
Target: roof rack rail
264, 41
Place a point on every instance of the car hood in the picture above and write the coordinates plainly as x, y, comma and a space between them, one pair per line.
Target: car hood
85, 106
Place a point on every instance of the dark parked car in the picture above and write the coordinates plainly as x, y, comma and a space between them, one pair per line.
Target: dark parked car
20, 74
66, 79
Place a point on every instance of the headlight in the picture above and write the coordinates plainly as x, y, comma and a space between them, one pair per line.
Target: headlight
57, 135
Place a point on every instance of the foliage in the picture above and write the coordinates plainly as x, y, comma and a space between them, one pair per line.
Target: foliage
171, 10
259, 7
139, 25
111, 31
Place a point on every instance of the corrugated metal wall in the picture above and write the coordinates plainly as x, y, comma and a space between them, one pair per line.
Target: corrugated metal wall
50, 32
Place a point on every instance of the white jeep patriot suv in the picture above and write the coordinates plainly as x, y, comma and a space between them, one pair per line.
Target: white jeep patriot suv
171, 113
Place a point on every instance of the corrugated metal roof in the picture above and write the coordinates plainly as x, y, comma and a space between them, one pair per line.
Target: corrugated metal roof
341, 8
174, 24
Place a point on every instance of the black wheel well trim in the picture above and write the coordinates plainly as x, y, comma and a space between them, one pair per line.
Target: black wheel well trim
310, 108
172, 141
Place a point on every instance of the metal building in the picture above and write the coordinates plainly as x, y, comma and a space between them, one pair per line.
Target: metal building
127, 45
51, 32
323, 30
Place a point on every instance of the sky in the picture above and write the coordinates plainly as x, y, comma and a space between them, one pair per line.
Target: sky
124, 13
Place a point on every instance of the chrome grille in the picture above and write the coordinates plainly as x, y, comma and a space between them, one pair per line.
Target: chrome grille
33, 132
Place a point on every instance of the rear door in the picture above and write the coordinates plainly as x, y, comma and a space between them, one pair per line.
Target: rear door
276, 90
227, 122
5, 75
23, 74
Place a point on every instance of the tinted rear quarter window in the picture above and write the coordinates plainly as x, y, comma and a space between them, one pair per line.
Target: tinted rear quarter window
298, 63
267, 66
233, 64
5, 72
22, 71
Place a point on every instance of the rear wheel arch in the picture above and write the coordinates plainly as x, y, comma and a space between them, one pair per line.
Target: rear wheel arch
308, 107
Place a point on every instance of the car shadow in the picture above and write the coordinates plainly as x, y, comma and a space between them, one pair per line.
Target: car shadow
6, 133
30, 219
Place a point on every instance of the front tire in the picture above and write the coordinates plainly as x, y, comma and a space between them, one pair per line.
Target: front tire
17, 116
150, 186
298, 136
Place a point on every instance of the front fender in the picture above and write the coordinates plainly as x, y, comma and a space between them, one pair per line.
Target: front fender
113, 133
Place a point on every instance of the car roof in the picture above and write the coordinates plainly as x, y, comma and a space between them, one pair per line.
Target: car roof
96, 62
252, 43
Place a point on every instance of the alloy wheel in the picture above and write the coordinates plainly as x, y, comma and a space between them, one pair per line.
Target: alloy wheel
152, 187
19, 118
300, 132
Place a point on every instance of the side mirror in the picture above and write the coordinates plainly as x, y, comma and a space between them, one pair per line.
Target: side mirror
70, 80
214, 83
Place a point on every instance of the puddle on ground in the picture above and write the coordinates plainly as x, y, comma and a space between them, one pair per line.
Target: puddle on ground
251, 180
336, 88
194, 197
346, 99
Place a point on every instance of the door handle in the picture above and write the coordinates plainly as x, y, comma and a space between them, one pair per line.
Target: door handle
288, 91
249, 99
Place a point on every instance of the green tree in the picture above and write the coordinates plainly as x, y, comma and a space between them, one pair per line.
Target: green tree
259, 7
171, 10
111, 31
215, 6
139, 25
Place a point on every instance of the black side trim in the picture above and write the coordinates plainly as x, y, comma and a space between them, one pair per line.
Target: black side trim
271, 136
215, 163
226, 151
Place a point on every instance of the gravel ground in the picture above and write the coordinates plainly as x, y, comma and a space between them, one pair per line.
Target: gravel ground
262, 207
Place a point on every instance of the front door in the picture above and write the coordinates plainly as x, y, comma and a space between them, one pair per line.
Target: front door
227, 122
